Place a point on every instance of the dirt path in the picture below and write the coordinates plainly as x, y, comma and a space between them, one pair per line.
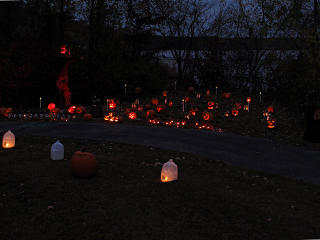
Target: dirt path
249, 152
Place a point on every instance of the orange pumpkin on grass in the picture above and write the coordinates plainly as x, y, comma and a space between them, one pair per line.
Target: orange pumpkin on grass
83, 164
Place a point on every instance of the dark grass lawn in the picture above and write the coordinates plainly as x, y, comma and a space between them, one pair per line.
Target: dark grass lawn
40, 199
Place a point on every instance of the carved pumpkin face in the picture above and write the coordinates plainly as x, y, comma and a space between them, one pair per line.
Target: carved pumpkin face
80, 109
211, 105
238, 105
132, 115
112, 118
235, 112
112, 105
51, 106
207, 116
83, 164
272, 123
72, 109
155, 101
164, 93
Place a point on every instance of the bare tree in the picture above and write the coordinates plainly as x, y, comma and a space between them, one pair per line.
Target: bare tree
182, 19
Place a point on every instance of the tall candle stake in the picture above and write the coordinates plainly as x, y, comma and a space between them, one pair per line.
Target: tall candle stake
182, 105
125, 88
216, 90
260, 93
40, 102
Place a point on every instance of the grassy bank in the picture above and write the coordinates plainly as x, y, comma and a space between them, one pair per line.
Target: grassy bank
40, 199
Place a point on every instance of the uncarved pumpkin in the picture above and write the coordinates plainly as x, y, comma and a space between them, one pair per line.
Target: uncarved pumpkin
83, 164
227, 95
147, 106
87, 116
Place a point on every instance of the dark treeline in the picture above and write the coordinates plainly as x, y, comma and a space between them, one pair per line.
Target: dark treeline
107, 35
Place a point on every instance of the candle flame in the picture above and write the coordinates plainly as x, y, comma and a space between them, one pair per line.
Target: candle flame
164, 178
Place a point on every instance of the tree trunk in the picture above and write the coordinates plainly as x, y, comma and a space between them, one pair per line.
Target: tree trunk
61, 27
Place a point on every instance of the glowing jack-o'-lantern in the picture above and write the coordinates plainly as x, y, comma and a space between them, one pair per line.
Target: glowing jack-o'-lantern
155, 101
246, 108
272, 123
72, 109
164, 93
132, 115
194, 111
169, 171
112, 105
235, 112
83, 164
160, 108
227, 114
170, 103
187, 99
140, 108
270, 109
80, 109
207, 116
51, 106
112, 118
238, 105
211, 105
8, 140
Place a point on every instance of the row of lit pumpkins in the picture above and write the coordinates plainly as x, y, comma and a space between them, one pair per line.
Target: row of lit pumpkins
84, 164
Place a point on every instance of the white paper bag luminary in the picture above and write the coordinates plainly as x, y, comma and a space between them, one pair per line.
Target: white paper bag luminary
57, 151
169, 171
8, 140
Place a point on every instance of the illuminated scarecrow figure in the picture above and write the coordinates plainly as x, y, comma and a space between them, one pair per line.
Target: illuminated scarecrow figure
62, 84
